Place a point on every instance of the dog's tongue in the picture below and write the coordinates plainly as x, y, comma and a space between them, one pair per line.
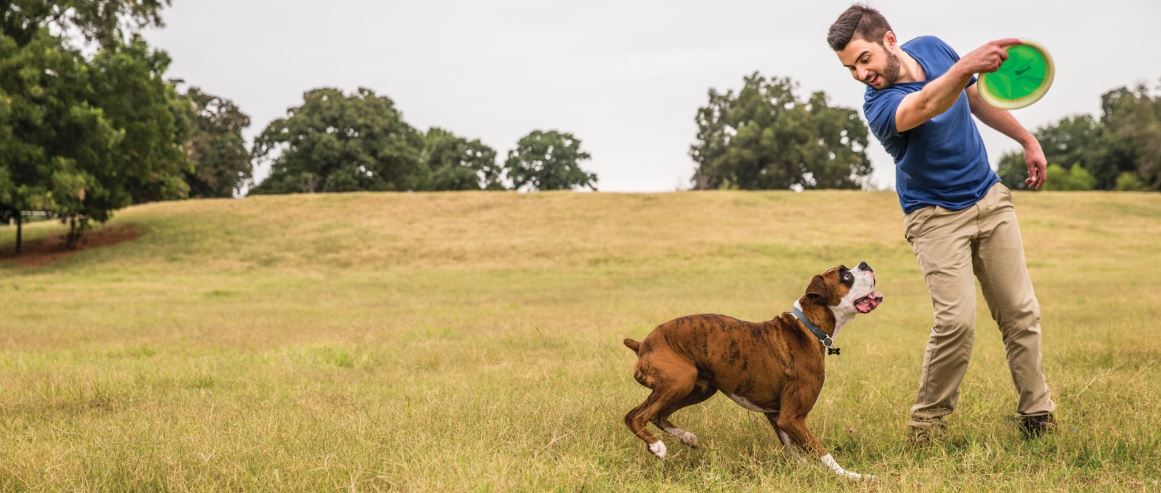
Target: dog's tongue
869, 302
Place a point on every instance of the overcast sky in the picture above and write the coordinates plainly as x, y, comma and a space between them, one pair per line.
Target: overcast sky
627, 76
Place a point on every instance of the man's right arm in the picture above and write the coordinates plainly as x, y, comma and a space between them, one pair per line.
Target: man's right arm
940, 94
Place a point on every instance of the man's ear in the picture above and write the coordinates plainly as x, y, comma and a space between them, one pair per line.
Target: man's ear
889, 40
817, 290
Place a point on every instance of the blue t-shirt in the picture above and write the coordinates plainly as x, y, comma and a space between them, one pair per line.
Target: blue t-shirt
942, 161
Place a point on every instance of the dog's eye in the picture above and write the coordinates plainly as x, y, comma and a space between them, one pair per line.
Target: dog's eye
848, 278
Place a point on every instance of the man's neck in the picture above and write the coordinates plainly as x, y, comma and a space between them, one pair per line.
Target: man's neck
911, 71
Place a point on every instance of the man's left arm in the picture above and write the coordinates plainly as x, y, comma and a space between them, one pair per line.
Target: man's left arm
1003, 121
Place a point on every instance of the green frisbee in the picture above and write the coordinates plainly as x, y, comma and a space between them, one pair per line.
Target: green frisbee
1021, 80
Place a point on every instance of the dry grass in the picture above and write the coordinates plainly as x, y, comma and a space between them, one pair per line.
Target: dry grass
471, 342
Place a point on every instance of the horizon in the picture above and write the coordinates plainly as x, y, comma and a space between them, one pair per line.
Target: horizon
625, 79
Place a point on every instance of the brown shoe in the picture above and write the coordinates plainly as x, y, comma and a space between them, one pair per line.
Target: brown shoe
927, 431
1034, 426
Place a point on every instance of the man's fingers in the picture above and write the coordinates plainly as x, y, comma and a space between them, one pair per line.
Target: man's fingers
1040, 177
1037, 175
1006, 42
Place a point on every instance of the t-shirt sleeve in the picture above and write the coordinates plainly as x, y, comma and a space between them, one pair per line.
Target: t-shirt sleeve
880, 112
950, 52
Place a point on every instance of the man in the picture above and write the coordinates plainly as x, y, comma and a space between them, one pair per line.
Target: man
959, 218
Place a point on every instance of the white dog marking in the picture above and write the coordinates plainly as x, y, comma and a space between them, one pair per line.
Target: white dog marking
742, 401
685, 436
658, 449
845, 311
834, 466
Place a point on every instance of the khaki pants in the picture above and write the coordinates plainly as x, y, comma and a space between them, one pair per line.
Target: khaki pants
950, 246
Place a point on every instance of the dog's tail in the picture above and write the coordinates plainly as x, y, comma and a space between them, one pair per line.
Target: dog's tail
631, 344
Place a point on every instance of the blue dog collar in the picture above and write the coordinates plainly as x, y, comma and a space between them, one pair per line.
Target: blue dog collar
822, 337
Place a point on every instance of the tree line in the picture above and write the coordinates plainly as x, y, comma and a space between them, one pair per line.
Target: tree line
90, 123
336, 142
763, 136
1119, 150
82, 135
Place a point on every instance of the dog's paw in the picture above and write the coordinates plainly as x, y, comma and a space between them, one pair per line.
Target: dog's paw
854, 476
688, 439
658, 449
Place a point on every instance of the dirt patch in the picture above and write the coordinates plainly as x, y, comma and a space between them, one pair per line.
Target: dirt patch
45, 251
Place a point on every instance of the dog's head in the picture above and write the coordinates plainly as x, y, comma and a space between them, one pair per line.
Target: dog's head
845, 291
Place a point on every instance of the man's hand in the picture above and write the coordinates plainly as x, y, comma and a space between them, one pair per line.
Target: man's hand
988, 57
1034, 160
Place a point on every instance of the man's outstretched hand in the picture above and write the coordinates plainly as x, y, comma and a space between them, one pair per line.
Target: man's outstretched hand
988, 57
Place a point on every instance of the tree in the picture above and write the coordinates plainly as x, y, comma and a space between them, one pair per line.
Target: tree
1012, 170
82, 137
150, 162
455, 163
1073, 140
1132, 131
105, 22
216, 148
1128, 182
1066, 179
1121, 149
548, 161
764, 137
338, 143
51, 133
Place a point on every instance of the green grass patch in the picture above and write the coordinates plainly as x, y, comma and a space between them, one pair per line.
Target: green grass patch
471, 342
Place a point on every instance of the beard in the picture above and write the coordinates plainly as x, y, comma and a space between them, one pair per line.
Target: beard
891, 71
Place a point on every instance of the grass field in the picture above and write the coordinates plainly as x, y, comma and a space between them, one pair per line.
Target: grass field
471, 342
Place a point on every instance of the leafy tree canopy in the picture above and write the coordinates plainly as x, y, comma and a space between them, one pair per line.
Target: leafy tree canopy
1120, 151
455, 163
765, 137
334, 142
217, 148
548, 160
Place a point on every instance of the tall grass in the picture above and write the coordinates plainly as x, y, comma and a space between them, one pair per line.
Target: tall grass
471, 342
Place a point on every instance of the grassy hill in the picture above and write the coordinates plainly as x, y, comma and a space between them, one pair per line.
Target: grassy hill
471, 342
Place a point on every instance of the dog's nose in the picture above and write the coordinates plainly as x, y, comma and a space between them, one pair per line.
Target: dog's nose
864, 266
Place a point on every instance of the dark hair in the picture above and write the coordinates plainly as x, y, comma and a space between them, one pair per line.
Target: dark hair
862, 20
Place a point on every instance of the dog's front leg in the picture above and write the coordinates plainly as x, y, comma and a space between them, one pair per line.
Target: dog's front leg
795, 428
787, 443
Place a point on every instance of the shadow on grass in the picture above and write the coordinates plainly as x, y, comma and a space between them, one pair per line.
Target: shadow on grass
47, 250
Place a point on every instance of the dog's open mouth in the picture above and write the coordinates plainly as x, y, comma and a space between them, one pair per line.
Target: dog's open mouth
868, 302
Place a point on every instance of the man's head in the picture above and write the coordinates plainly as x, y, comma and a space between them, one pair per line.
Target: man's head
865, 45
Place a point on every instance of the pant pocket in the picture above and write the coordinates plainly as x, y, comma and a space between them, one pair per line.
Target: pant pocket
913, 222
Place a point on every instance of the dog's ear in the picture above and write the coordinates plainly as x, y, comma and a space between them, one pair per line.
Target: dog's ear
817, 290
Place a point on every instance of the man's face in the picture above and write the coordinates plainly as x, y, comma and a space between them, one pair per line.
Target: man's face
872, 63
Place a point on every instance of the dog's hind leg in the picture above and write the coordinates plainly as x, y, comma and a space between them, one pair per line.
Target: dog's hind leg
671, 380
702, 390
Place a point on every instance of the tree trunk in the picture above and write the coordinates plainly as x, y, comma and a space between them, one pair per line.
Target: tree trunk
19, 231
77, 227
71, 239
